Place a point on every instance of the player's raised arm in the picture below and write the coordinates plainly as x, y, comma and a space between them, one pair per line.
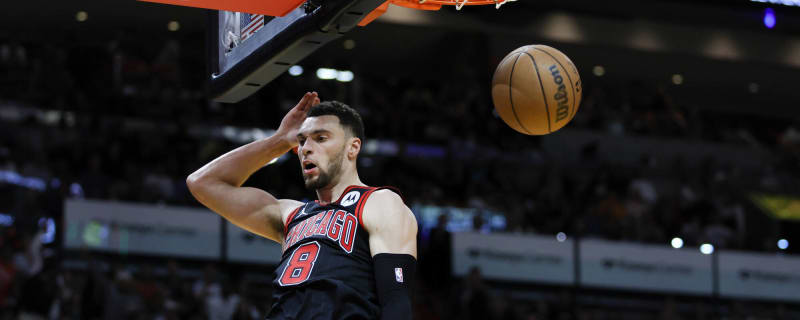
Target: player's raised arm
218, 184
392, 232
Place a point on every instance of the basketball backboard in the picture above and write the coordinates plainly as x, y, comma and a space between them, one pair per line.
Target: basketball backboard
247, 51
275, 8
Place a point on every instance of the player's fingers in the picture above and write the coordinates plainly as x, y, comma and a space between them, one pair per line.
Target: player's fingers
307, 104
311, 101
303, 101
315, 101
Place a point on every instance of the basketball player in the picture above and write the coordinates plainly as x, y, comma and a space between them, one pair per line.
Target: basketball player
351, 254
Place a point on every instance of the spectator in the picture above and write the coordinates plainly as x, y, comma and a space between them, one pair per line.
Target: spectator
476, 299
437, 260
30, 261
222, 306
208, 285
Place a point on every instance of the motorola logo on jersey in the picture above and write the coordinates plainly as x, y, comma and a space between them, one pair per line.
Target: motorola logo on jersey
350, 198
339, 226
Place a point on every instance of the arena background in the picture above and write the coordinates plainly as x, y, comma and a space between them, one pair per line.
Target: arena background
687, 139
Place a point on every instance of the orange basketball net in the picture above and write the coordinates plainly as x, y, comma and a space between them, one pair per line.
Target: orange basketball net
429, 5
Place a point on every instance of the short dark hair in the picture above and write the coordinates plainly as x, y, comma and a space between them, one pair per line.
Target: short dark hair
348, 117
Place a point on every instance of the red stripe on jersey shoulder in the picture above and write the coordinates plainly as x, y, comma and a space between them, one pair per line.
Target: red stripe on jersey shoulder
291, 217
363, 201
360, 205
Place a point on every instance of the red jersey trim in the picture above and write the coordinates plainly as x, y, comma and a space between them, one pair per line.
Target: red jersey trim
289, 220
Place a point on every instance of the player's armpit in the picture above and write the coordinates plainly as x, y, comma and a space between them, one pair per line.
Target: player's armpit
391, 225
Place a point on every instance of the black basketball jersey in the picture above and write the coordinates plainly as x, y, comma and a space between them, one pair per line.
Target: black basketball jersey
326, 269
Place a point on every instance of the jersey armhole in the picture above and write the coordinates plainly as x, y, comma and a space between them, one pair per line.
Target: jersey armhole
290, 218
363, 201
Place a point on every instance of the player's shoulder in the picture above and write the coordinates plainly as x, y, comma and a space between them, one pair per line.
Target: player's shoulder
386, 196
386, 206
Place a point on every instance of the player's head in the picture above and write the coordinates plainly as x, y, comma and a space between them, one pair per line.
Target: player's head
329, 142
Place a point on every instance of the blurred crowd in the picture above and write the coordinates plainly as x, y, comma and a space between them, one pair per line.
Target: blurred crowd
86, 287
123, 121
36, 284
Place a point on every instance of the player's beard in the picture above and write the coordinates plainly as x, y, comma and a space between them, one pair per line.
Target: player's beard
325, 177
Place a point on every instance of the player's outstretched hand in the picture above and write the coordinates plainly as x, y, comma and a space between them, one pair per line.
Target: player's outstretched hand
294, 118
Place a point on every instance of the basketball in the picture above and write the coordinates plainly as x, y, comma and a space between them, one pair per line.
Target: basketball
536, 89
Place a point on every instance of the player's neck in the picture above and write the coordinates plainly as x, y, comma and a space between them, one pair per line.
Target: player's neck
334, 191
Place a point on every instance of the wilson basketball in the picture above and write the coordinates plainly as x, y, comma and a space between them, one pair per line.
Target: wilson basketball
536, 89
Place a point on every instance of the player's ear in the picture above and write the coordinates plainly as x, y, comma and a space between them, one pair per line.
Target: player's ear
353, 148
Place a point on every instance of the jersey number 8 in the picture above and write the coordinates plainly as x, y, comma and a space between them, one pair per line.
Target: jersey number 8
298, 269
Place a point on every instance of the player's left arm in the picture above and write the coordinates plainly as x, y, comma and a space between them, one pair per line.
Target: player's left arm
393, 244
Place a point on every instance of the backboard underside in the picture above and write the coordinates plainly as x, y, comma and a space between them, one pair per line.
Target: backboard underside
247, 51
